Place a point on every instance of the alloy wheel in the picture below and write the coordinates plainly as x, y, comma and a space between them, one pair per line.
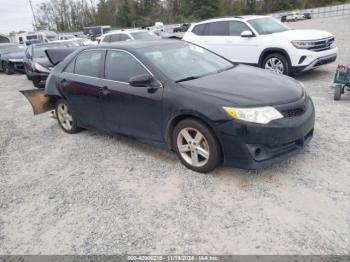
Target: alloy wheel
274, 65
65, 117
193, 147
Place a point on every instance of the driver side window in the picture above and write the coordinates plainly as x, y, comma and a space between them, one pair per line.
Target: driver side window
236, 28
121, 66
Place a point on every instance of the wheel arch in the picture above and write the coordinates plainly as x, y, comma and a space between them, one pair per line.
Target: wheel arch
268, 51
188, 115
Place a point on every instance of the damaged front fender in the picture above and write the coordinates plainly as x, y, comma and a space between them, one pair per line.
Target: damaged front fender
39, 101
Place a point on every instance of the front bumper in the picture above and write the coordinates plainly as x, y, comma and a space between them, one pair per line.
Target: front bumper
18, 67
39, 79
312, 59
254, 146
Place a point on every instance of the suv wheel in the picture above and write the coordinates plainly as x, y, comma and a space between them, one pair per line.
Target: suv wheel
65, 119
276, 63
196, 146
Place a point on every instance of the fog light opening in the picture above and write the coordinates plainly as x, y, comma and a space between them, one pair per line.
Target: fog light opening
257, 151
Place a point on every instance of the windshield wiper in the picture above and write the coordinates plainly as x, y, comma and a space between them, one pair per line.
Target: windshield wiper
187, 78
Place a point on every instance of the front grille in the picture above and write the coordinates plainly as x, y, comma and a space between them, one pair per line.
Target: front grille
289, 113
321, 45
325, 61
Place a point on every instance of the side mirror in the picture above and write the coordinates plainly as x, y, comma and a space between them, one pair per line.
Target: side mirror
28, 56
141, 80
247, 33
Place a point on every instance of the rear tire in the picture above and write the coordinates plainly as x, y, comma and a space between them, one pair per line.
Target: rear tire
65, 118
196, 146
276, 63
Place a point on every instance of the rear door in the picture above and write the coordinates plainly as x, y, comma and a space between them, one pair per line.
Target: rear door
81, 85
134, 111
214, 37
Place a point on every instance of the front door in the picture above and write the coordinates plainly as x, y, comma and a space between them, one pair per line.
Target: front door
241, 49
134, 111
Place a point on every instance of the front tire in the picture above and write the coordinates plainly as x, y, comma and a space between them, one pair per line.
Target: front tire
196, 146
65, 118
276, 63
7, 68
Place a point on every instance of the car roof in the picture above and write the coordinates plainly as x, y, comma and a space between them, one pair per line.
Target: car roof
233, 18
137, 44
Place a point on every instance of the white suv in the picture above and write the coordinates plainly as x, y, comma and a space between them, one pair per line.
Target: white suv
127, 35
265, 42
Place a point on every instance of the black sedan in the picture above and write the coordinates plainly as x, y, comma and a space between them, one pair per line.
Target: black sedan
36, 64
11, 58
183, 97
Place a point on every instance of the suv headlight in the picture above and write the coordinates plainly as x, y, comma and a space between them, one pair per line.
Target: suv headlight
41, 68
303, 44
259, 115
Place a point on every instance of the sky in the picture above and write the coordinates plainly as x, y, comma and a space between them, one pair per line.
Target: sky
16, 15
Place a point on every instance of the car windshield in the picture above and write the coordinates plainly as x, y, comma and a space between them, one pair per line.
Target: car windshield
39, 51
183, 61
144, 35
13, 49
267, 25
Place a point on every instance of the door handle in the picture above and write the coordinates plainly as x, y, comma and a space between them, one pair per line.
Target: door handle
105, 91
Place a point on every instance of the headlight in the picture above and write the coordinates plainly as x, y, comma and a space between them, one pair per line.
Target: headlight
41, 68
259, 115
303, 44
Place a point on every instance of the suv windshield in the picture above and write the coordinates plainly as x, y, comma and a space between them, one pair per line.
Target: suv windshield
144, 36
185, 61
267, 25
39, 51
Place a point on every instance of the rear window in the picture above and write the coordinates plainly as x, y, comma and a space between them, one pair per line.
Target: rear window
198, 29
88, 63
107, 38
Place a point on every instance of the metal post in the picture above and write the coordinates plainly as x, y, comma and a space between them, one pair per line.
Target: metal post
35, 24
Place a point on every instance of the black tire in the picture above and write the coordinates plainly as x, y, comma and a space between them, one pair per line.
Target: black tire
280, 57
214, 158
73, 122
338, 90
8, 70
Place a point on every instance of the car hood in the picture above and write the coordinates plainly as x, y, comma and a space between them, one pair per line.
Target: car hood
246, 86
44, 61
17, 55
302, 34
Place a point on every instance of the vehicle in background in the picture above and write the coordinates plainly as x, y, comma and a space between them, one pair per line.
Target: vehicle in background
182, 28
308, 14
183, 97
40, 36
76, 42
127, 35
295, 16
161, 33
36, 63
4, 39
66, 37
11, 58
95, 31
265, 42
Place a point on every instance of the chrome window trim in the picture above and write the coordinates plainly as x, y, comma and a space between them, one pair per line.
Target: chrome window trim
111, 49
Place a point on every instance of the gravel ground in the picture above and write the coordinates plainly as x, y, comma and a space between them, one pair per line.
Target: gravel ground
94, 194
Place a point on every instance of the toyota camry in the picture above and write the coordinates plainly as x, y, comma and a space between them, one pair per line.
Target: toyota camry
180, 96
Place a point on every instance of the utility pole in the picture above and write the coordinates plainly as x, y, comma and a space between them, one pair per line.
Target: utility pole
35, 24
